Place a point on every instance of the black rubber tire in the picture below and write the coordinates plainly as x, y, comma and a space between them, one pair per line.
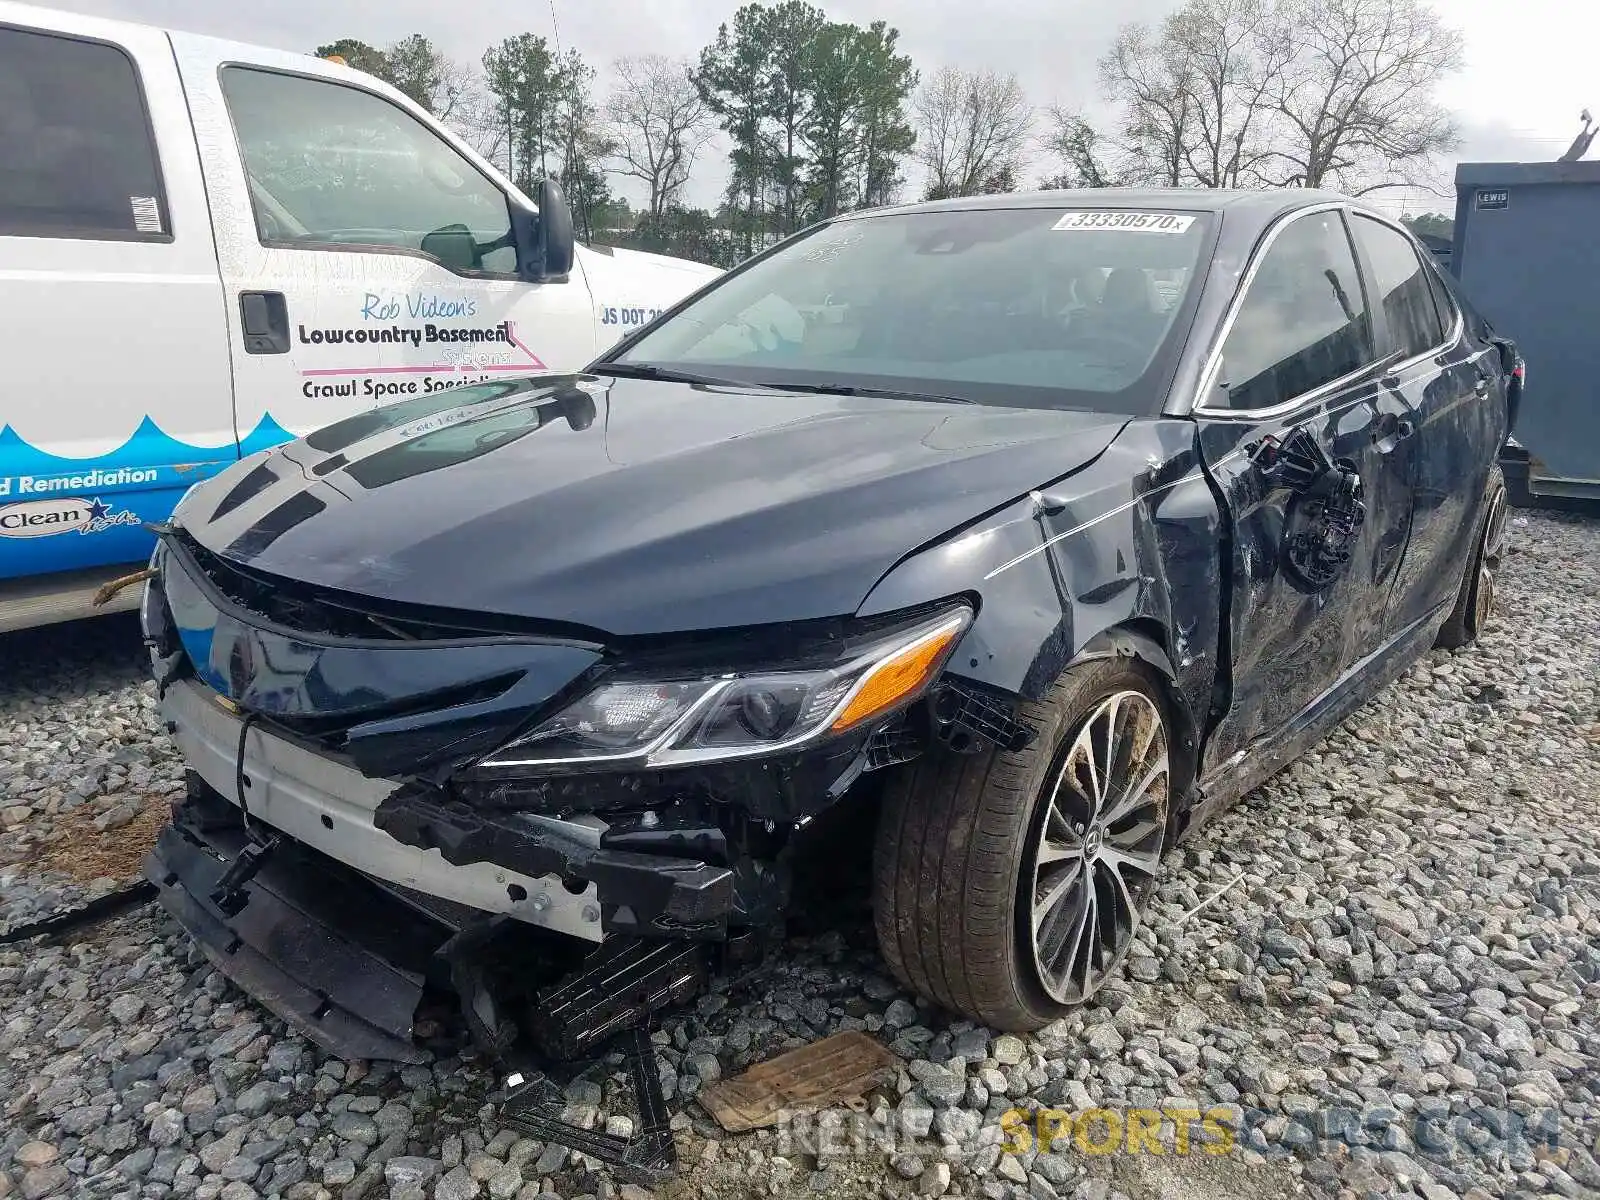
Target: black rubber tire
952, 838
1474, 605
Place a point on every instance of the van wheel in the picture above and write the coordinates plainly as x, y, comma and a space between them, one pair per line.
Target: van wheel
1475, 599
1007, 886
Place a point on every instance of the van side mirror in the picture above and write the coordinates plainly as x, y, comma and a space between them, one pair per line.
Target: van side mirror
556, 244
455, 247
544, 239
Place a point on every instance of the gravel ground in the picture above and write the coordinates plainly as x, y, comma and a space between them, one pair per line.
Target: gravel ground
1397, 990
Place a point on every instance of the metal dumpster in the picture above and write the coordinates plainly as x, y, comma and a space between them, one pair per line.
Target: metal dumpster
1527, 250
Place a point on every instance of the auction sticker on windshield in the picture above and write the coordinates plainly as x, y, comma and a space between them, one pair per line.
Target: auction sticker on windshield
1128, 222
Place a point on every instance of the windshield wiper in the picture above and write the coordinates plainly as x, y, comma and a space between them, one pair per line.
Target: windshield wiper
650, 371
851, 389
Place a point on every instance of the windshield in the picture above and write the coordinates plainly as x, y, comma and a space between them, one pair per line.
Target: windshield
1038, 307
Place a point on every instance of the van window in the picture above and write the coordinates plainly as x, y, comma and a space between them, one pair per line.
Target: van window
76, 155
332, 164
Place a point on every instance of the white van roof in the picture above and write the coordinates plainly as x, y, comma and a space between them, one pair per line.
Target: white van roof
223, 49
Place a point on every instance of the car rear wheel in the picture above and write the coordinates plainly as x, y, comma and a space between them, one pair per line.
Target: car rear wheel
1008, 885
1475, 601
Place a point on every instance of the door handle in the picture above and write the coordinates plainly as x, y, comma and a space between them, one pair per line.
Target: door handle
1390, 431
264, 321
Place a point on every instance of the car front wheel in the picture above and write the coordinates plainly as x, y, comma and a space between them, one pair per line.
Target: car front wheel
1008, 885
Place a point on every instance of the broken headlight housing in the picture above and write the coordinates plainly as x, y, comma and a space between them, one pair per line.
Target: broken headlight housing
648, 724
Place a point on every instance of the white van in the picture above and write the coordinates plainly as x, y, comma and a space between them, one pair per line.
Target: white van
207, 248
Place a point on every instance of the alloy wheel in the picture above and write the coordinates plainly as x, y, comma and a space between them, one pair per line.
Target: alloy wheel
1489, 555
1098, 845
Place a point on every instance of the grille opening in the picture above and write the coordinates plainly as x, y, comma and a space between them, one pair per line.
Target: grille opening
305, 608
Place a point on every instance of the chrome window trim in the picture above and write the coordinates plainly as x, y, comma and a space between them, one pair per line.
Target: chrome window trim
1208, 376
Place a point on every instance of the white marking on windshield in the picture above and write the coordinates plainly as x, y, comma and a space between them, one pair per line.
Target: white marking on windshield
1126, 222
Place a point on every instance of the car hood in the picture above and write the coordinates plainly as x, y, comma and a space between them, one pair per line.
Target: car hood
630, 507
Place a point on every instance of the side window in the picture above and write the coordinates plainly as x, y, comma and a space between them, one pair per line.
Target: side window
1400, 283
76, 155
1303, 323
1442, 300
328, 163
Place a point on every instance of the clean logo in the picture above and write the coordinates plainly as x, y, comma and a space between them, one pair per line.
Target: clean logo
46, 518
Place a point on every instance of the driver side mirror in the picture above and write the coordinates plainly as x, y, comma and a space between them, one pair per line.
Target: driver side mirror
544, 239
555, 243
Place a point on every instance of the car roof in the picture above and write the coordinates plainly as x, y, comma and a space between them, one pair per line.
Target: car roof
1265, 204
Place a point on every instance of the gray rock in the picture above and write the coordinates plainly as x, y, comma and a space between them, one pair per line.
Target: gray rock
505, 1183
907, 1166
705, 1067
256, 1098
457, 1184
216, 1154
971, 1044
1008, 1050
942, 1086
899, 1015
338, 1171
40, 1182
233, 1041
126, 1008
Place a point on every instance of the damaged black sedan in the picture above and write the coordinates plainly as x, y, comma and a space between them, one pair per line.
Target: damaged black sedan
1049, 523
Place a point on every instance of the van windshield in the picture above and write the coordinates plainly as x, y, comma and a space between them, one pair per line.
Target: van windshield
1036, 307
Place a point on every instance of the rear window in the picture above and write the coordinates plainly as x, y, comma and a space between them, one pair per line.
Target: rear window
1042, 307
76, 155
1400, 285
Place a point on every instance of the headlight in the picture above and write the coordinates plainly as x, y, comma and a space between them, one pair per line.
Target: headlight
677, 722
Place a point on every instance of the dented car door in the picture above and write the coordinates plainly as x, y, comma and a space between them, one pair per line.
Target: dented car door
1301, 441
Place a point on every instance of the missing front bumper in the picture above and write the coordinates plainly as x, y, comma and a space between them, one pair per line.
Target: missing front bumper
549, 873
320, 946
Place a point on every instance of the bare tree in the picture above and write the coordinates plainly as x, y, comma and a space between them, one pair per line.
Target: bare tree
1231, 93
659, 123
1082, 151
972, 130
1153, 86
1190, 95
1355, 105
1232, 52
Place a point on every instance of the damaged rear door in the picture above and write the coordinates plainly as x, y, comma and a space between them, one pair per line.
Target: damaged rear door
1308, 453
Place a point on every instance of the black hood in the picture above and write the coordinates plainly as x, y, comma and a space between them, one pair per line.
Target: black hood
629, 506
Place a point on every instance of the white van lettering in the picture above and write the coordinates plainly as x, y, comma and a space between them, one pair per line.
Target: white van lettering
44, 485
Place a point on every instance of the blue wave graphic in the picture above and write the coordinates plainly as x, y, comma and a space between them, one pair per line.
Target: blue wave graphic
266, 434
149, 446
145, 477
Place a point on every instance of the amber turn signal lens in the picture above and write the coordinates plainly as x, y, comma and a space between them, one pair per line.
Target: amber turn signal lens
903, 674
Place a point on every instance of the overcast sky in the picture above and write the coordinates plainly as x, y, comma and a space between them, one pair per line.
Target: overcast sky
1532, 65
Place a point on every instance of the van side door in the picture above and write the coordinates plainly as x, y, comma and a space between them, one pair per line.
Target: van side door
115, 390
368, 256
